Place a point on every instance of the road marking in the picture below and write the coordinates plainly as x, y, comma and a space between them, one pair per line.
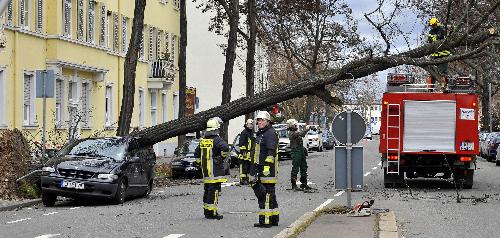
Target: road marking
308, 183
50, 213
379, 163
339, 193
16, 221
73, 208
48, 236
240, 212
367, 173
174, 236
374, 168
324, 205
229, 184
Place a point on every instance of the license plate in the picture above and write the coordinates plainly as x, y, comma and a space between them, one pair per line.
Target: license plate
467, 146
72, 184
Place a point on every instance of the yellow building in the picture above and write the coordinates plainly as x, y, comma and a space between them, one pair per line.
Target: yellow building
85, 42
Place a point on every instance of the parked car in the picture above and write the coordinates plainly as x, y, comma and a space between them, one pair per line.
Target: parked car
485, 146
491, 151
497, 156
112, 168
368, 133
314, 140
184, 164
283, 144
328, 140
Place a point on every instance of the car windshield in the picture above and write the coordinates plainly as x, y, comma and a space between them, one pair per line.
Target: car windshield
112, 148
282, 133
189, 147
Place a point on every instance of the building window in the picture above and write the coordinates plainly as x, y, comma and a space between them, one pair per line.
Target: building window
24, 14
124, 34
142, 43
116, 46
164, 108
154, 107
67, 17
10, 14
109, 105
141, 108
102, 24
150, 45
91, 22
3, 104
109, 27
59, 102
39, 15
176, 4
85, 117
166, 45
79, 20
29, 110
174, 39
159, 38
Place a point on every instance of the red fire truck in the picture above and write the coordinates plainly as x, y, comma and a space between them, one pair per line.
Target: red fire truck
425, 133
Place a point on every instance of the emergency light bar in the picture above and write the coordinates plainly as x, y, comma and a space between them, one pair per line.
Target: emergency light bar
398, 79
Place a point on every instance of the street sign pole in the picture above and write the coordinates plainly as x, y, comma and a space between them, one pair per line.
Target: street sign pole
44, 112
349, 164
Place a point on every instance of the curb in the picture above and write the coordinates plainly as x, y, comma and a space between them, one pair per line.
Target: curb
303, 221
20, 205
387, 225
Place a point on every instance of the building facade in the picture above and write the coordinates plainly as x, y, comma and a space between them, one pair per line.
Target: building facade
85, 42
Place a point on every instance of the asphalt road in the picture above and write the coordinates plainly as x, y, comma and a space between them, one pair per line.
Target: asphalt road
429, 210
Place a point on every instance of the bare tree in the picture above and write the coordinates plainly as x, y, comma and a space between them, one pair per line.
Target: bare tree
182, 67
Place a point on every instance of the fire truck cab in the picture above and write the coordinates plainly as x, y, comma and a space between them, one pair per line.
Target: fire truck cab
425, 133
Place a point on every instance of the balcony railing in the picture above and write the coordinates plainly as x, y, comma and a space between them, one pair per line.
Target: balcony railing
159, 69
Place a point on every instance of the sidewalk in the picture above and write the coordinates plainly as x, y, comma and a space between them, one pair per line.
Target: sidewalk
338, 225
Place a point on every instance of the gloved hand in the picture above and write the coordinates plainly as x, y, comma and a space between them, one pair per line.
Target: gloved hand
266, 171
252, 179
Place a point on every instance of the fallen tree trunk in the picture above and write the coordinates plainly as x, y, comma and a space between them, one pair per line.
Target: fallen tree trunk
314, 85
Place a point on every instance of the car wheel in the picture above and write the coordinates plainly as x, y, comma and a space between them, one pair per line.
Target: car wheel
497, 163
48, 199
120, 192
320, 149
150, 188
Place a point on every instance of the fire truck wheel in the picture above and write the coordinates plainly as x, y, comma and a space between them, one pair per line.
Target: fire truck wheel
465, 180
393, 180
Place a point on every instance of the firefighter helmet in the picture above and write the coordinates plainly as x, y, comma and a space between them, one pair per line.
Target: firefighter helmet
212, 125
433, 22
249, 122
291, 122
263, 115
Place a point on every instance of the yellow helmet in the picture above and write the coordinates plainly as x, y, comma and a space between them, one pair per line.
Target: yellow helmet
212, 125
433, 22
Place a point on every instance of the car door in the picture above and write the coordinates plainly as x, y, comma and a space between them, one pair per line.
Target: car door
135, 172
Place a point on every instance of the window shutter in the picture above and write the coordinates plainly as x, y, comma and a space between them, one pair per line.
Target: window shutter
21, 12
174, 37
27, 90
166, 45
115, 32
80, 20
39, 16
103, 25
9, 14
91, 22
151, 32
142, 42
158, 44
67, 17
85, 104
124, 34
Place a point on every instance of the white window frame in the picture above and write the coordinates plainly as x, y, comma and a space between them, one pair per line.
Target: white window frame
140, 96
67, 16
86, 112
164, 106
91, 21
108, 106
80, 20
24, 17
3, 97
39, 16
59, 109
30, 119
102, 25
154, 106
124, 34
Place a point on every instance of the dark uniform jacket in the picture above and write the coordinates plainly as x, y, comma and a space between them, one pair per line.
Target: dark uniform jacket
296, 138
211, 152
437, 33
246, 143
265, 155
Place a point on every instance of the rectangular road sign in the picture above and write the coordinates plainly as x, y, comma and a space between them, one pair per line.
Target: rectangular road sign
356, 167
48, 76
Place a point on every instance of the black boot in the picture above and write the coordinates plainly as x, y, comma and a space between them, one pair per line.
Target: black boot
303, 185
262, 225
294, 183
218, 217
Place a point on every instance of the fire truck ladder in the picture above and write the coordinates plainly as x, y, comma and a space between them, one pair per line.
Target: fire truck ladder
393, 111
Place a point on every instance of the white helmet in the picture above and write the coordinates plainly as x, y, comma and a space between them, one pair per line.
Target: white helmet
249, 122
291, 122
263, 115
212, 125
218, 120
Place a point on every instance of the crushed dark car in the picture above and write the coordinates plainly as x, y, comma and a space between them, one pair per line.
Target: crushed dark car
111, 168
184, 164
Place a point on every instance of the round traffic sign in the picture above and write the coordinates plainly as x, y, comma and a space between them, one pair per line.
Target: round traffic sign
339, 127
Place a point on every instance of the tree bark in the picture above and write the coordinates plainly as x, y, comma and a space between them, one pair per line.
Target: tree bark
127, 107
227, 78
308, 85
182, 67
250, 63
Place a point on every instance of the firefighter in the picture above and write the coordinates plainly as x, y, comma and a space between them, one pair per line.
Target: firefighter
437, 32
211, 153
246, 143
265, 170
298, 155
